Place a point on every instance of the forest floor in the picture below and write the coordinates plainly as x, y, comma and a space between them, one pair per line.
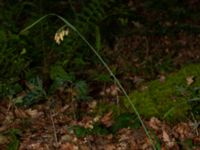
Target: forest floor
55, 125
41, 128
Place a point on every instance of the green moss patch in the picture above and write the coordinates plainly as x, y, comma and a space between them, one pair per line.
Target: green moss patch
170, 100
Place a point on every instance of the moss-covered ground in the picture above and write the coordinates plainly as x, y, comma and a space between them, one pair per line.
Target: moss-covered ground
169, 99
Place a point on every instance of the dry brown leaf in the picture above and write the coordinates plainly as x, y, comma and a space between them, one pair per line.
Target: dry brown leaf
145, 146
34, 146
155, 123
196, 140
8, 118
109, 137
143, 87
89, 125
190, 80
96, 119
92, 106
68, 146
122, 146
62, 110
107, 119
114, 90
87, 122
137, 80
30, 86
166, 138
133, 145
123, 137
4, 127
110, 147
19, 113
84, 147
66, 138
33, 113
3, 139
183, 130
162, 78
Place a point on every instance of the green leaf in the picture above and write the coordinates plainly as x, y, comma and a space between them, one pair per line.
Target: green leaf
99, 129
103, 77
80, 131
14, 143
57, 72
82, 89
31, 98
125, 120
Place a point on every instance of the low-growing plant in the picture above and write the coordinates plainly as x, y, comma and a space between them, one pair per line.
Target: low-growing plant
14, 139
97, 129
34, 93
125, 120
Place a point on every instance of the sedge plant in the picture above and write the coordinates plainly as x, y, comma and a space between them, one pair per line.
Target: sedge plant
67, 23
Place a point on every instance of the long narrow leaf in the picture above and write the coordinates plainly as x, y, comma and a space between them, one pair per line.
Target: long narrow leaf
36, 22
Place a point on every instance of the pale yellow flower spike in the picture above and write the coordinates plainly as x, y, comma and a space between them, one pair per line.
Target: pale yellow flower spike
59, 36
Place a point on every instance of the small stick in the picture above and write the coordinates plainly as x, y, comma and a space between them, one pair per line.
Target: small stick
54, 129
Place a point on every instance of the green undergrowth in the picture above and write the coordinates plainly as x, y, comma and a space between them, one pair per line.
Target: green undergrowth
124, 120
171, 99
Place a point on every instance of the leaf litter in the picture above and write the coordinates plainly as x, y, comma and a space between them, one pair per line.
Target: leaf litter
38, 132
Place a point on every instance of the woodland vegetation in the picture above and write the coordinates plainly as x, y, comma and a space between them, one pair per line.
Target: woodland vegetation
100, 74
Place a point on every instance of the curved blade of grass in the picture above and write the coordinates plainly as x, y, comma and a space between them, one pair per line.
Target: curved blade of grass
33, 24
105, 65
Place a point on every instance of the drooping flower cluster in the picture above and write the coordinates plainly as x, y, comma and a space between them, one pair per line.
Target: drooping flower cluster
59, 36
